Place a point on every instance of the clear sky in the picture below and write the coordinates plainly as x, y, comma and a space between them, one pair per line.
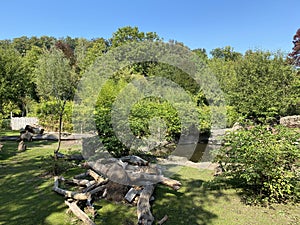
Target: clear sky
263, 24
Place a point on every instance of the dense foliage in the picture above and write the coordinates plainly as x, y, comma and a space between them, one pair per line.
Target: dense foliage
259, 85
264, 161
294, 56
48, 115
13, 82
39, 76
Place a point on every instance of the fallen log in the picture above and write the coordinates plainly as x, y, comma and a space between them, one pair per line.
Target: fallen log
145, 216
78, 157
70, 194
126, 174
86, 183
171, 183
164, 219
98, 189
113, 176
97, 177
79, 213
82, 175
135, 160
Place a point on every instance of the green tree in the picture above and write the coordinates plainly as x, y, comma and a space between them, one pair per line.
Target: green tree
263, 85
201, 52
91, 51
56, 80
258, 86
21, 44
13, 81
294, 56
30, 62
128, 33
226, 53
80, 53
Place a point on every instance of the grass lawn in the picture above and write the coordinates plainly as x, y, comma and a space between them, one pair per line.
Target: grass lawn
9, 133
26, 197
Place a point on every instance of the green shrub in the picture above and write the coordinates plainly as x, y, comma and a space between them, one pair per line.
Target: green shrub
146, 109
264, 161
148, 116
47, 112
102, 115
259, 85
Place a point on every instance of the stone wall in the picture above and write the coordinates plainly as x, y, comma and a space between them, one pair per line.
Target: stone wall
290, 121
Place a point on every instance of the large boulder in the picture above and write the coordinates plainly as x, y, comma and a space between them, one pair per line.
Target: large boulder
290, 121
34, 129
27, 136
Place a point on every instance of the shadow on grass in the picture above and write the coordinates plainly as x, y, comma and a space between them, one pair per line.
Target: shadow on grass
26, 198
190, 205
115, 213
9, 148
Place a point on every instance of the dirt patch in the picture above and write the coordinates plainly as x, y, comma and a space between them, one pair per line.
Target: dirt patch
116, 192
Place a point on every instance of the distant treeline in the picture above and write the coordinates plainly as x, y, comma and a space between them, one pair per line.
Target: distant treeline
258, 85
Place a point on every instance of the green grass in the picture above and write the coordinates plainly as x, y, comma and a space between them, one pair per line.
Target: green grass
26, 197
9, 133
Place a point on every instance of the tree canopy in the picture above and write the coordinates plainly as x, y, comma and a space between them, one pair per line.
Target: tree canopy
256, 84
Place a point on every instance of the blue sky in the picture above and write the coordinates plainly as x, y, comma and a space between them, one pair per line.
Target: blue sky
263, 24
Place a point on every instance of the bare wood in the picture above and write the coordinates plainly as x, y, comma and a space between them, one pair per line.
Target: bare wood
82, 175
171, 183
27, 136
79, 213
97, 189
96, 176
132, 175
69, 194
78, 157
69, 157
86, 183
94, 186
164, 219
135, 160
143, 178
89, 188
145, 216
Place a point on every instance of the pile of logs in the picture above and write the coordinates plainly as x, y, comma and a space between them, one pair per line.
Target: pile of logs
130, 177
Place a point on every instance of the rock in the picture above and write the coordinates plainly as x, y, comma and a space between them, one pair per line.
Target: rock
21, 146
236, 126
290, 121
34, 129
27, 136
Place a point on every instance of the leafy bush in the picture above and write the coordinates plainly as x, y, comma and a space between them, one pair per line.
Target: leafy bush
260, 85
146, 109
264, 161
47, 113
103, 108
148, 116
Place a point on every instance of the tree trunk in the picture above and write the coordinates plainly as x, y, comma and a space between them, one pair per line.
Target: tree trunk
59, 133
61, 113
145, 216
79, 213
